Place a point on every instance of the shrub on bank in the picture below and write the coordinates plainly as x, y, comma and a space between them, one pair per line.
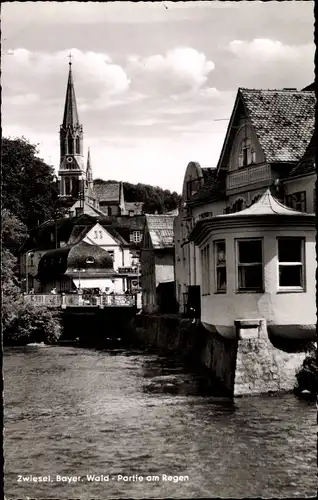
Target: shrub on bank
26, 323
307, 375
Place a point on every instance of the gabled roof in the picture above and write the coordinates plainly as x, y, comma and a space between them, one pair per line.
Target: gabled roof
212, 190
78, 234
115, 234
283, 121
44, 236
70, 117
307, 163
160, 228
108, 192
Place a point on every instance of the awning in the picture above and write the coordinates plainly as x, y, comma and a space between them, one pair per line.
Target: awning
92, 283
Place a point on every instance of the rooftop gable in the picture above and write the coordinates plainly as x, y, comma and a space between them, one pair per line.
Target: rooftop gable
283, 121
160, 228
108, 192
104, 235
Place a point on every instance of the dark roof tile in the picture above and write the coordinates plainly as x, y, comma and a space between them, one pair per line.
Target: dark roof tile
307, 163
160, 229
107, 192
283, 121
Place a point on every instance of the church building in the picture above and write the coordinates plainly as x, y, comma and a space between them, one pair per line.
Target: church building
76, 185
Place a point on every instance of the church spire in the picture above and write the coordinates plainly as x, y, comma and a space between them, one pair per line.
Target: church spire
72, 170
89, 171
70, 117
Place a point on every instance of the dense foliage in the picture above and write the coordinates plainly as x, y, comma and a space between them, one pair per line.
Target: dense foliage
29, 188
154, 199
307, 375
22, 323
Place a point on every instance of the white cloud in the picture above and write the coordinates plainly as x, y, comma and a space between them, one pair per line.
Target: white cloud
96, 75
179, 70
263, 50
23, 99
268, 63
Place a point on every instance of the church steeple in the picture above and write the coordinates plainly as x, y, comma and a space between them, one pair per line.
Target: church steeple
72, 171
89, 171
70, 117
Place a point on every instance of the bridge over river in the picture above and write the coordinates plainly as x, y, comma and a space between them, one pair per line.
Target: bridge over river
92, 319
66, 300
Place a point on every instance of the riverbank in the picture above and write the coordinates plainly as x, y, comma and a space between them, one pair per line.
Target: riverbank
236, 366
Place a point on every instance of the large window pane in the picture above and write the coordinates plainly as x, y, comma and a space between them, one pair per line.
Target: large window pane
250, 252
221, 279
290, 275
250, 277
289, 250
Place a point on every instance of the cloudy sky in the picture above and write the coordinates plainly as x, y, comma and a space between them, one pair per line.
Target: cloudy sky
155, 82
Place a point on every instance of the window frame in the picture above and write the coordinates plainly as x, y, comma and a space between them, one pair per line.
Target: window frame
205, 270
293, 203
292, 288
135, 236
250, 264
247, 154
218, 266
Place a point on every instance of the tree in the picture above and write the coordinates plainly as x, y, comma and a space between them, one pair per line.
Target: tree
13, 232
29, 189
21, 322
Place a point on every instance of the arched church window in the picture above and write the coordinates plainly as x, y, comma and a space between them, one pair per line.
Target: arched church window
70, 145
246, 153
67, 186
62, 148
78, 145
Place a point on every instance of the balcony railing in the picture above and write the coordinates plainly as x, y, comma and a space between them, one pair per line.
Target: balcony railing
247, 176
77, 300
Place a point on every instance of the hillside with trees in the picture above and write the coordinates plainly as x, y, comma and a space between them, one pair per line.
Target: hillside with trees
154, 199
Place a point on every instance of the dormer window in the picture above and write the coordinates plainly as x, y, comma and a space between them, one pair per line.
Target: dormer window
247, 154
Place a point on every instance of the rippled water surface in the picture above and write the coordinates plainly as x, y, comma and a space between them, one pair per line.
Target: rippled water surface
74, 412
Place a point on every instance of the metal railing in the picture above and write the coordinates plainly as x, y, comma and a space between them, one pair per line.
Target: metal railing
78, 300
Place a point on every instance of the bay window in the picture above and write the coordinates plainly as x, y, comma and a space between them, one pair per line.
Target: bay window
249, 255
291, 263
205, 270
220, 266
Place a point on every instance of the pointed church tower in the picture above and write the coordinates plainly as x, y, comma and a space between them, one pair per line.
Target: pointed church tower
89, 171
71, 173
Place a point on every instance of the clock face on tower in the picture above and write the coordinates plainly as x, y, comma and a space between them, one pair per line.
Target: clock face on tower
69, 159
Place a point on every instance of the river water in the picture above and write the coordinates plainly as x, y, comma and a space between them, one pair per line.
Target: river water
72, 412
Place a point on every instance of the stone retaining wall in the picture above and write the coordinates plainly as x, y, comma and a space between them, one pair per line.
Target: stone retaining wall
245, 365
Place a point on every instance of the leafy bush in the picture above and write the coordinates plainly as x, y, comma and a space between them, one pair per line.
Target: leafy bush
22, 323
307, 375
31, 323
